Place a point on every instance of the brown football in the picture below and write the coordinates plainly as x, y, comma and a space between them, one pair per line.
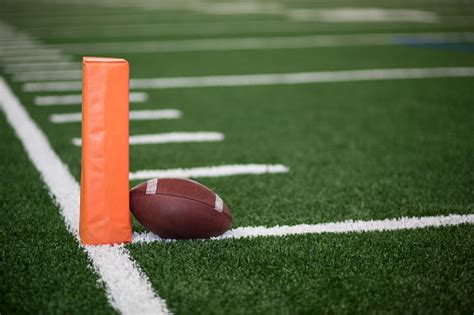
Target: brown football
178, 208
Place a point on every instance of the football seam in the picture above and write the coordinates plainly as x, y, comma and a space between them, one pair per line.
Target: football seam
192, 199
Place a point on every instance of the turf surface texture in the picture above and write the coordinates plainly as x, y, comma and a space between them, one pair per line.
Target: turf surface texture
356, 150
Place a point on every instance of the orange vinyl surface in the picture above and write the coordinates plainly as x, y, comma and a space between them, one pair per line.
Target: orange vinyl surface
105, 215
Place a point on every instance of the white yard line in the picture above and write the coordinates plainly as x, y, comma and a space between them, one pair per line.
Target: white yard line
269, 79
128, 289
16, 37
404, 223
34, 58
363, 15
157, 114
9, 44
42, 66
212, 171
188, 29
287, 42
31, 52
76, 99
171, 137
301, 78
52, 86
51, 21
48, 75
12, 46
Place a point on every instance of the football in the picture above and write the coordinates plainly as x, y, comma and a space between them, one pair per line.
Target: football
176, 208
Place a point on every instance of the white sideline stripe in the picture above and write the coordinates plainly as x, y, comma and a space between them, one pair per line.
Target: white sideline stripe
128, 289
404, 223
172, 137
48, 75
259, 42
212, 171
269, 79
157, 114
76, 99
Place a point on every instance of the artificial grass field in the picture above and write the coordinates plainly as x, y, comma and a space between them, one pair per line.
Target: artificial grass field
42, 269
355, 150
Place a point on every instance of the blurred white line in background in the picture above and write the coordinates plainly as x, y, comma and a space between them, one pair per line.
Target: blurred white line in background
35, 58
41, 66
212, 171
50, 21
301, 78
171, 137
54, 86
51, 75
261, 42
76, 99
363, 15
12, 47
187, 29
269, 79
133, 115
16, 37
17, 40
31, 52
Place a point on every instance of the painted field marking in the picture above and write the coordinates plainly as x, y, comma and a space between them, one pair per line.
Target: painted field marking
171, 137
269, 79
15, 44
76, 99
363, 15
337, 15
41, 66
157, 114
301, 78
212, 171
47, 22
17, 37
168, 29
13, 47
52, 86
33, 52
128, 289
403, 223
287, 42
48, 75
34, 58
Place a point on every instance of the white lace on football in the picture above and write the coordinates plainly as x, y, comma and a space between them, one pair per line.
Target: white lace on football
151, 186
219, 204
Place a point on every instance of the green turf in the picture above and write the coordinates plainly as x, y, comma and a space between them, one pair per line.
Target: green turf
380, 149
360, 150
42, 268
404, 272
